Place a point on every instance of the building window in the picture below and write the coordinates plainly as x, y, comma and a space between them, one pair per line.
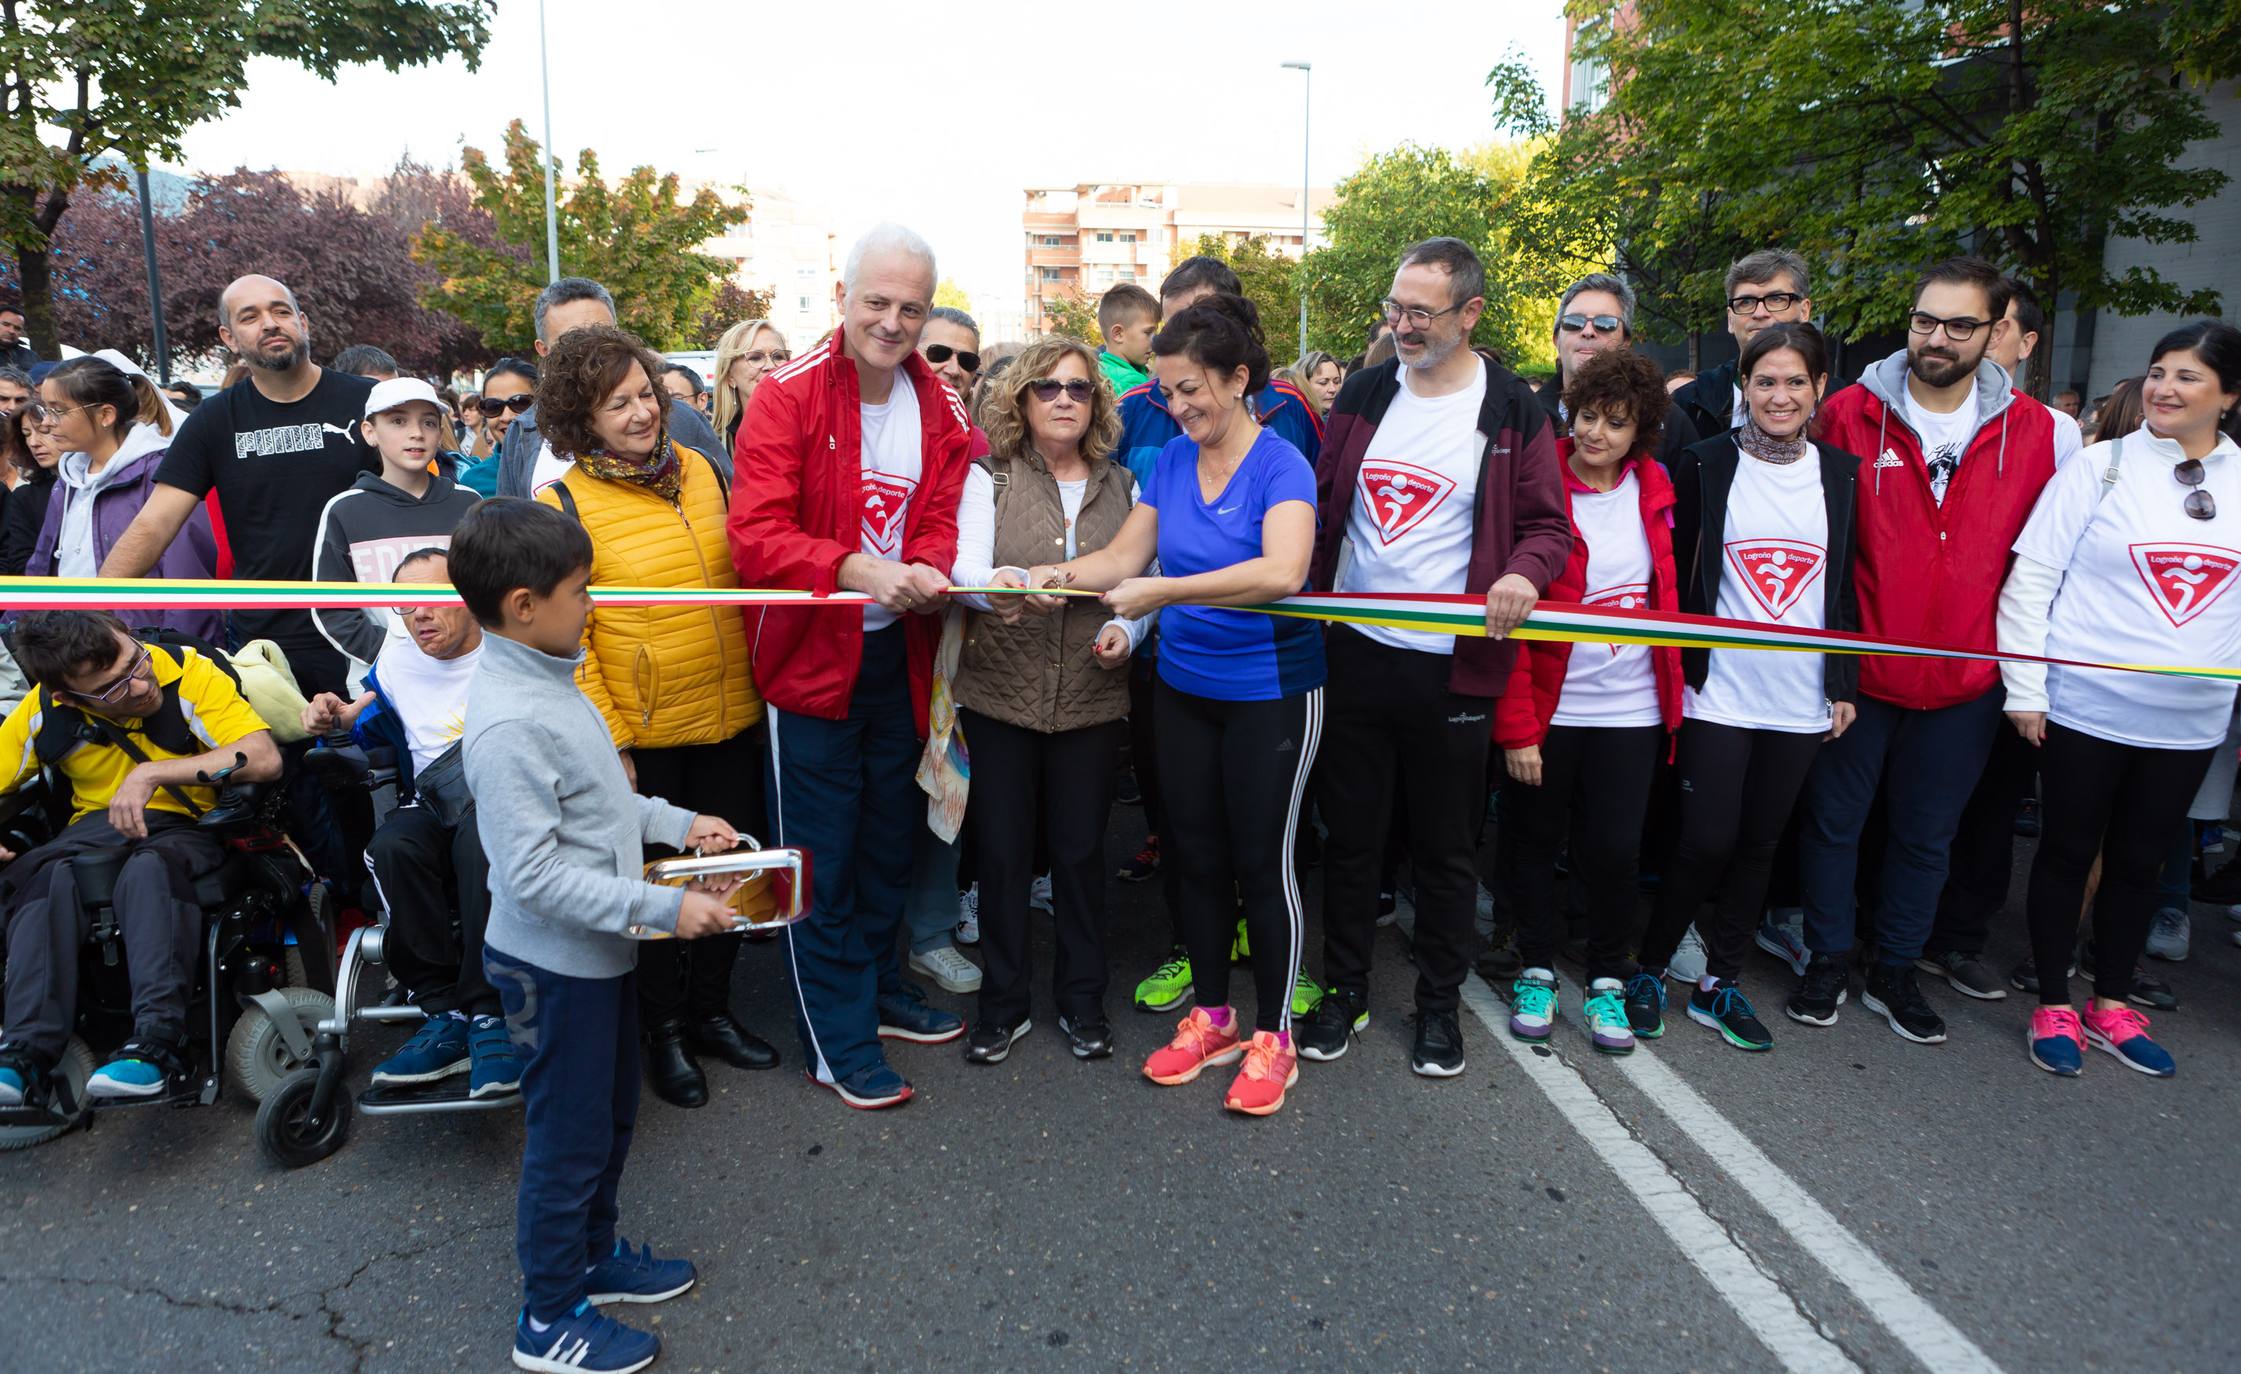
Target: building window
1050, 241
1104, 237
1128, 236
1048, 273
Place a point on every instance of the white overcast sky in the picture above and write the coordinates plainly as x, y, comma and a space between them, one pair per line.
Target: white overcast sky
937, 115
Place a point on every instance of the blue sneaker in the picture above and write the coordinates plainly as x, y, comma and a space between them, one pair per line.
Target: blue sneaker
2057, 1041
1645, 1005
630, 1275
140, 1068
12, 1085
867, 1090
495, 1065
2123, 1032
907, 1016
437, 1050
586, 1341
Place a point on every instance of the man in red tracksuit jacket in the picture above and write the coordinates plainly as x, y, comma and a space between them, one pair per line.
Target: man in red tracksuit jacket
848, 469
1951, 466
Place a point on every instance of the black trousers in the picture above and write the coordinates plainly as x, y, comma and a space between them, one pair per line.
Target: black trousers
1595, 788
1143, 750
1983, 855
1233, 776
679, 978
1396, 736
2125, 803
1062, 781
416, 861
1737, 790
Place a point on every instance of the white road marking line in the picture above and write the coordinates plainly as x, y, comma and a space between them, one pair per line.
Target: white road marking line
1936, 1342
1739, 1279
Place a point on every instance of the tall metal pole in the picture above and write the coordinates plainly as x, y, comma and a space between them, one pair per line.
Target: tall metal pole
155, 281
552, 218
1307, 109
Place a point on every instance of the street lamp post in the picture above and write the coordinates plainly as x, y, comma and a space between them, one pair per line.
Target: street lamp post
1307, 107
552, 218
155, 279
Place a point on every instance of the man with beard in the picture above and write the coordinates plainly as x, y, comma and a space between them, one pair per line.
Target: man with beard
1955, 464
276, 446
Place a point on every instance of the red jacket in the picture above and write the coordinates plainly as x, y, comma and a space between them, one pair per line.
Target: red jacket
1521, 714
797, 511
1926, 571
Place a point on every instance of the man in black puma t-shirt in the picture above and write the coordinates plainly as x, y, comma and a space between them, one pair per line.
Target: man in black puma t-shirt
276, 447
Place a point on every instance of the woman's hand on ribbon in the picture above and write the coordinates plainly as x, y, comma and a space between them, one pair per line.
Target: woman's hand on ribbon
1047, 575
1009, 608
1138, 597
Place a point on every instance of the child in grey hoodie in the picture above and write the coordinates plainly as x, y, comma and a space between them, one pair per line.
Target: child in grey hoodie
563, 831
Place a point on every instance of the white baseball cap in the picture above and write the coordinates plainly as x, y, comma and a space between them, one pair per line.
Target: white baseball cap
396, 392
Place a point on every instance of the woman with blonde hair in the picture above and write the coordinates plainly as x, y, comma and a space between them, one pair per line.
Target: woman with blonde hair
747, 351
1039, 699
1319, 375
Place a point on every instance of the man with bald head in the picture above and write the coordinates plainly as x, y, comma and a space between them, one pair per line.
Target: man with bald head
276, 447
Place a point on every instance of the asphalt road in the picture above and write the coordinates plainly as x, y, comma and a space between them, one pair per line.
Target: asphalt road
1849, 1201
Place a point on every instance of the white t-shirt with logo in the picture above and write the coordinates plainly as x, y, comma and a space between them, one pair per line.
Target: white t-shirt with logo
1777, 535
1412, 519
892, 465
1945, 438
430, 695
2143, 582
1611, 685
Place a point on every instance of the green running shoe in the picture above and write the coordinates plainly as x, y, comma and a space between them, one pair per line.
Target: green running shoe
1533, 1004
1307, 995
1169, 986
1605, 1012
1240, 949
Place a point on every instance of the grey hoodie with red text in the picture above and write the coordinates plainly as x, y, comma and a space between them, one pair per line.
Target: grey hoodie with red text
364, 533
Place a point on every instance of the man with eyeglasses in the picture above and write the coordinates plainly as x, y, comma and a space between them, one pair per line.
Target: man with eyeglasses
1441, 476
1596, 313
1763, 288
130, 727
1955, 463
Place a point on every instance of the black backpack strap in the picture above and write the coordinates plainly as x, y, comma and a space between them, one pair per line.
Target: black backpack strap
163, 636
566, 498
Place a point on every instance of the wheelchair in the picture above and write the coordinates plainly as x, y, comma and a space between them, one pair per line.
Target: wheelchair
264, 977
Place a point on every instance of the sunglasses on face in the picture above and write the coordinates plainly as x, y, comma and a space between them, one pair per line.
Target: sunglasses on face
1047, 389
105, 696
1604, 324
773, 357
942, 353
2199, 504
494, 407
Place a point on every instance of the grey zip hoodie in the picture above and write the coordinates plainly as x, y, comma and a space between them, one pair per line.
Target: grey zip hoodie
364, 533
558, 819
1886, 381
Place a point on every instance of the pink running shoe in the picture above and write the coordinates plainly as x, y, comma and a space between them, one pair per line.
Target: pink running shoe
2056, 1040
2123, 1032
1271, 1068
1198, 1043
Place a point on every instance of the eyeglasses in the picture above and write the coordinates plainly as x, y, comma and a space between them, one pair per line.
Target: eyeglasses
1775, 302
942, 353
41, 413
517, 403
1604, 324
1416, 315
2199, 503
769, 357
1924, 323
1047, 389
106, 696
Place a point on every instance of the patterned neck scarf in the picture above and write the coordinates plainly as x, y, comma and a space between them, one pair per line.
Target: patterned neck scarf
657, 471
1765, 447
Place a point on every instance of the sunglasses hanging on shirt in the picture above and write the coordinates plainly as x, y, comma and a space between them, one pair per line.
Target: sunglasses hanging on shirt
2199, 504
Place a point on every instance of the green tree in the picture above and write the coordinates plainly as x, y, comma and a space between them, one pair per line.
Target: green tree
1875, 136
1271, 283
949, 293
634, 237
1072, 316
96, 77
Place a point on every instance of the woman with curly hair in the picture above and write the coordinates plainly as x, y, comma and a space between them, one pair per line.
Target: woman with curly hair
1039, 699
672, 681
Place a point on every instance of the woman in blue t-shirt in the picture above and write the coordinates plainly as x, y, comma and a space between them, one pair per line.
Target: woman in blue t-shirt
1230, 516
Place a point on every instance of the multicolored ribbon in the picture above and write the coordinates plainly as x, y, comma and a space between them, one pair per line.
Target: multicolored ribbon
1446, 613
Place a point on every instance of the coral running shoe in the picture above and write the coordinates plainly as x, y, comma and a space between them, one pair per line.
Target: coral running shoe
1198, 1043
1271, 1068
2057, 1041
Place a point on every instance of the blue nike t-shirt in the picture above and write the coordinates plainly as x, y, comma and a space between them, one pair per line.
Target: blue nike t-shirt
1212, 652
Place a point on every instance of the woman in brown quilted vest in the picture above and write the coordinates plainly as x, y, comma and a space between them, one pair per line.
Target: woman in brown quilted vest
1039, 699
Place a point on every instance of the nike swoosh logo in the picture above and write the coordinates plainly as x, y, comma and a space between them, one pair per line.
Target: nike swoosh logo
1227, 510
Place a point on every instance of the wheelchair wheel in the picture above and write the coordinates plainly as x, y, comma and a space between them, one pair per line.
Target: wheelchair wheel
284, 1129
257, 1057
74, 1069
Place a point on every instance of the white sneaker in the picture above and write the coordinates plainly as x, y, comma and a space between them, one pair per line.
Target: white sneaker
1038, 894
968, 916
1687, 963
1782, 934
950, 970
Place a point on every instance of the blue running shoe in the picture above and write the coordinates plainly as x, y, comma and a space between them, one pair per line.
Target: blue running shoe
2057, 1041
586, 1341
1645, 1004
907, 1016
437, 1050
494, 1064
12, 1084
140, 1068
2123, 1032
867, 1090
629, 1275
1726, 1010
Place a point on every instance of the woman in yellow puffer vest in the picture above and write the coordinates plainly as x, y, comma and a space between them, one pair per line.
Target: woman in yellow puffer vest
672, 681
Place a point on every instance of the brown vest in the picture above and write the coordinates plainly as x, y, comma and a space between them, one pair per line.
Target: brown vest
1041, 674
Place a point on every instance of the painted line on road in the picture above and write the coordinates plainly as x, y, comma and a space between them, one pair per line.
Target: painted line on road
1741, 1281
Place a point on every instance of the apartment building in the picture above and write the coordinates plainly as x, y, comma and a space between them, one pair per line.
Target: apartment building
786, 250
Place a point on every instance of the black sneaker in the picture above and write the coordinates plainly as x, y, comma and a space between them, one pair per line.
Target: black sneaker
1893, 993
1827, 982
2147, 990
1125, 790
1089, 1038
1726, 1010
2024, 977
1438, 1051
2222, 888
1645, 1003
1326, 1032
1968, 975
2026, 825
986, 1043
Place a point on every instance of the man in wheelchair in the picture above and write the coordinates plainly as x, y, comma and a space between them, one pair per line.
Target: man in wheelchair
131, 727
416, 703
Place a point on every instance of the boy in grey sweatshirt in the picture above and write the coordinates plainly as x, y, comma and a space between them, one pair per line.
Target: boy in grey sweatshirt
563, 831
